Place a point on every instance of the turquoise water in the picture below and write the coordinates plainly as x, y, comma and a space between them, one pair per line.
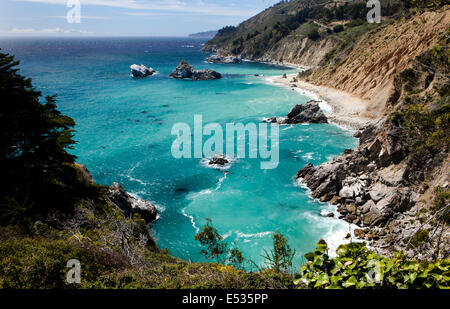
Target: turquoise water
124, 135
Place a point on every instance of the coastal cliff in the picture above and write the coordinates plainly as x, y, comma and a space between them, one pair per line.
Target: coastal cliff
394, 186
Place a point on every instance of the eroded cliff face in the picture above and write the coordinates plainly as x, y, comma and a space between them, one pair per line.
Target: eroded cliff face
369, 69
300, 51
365, 67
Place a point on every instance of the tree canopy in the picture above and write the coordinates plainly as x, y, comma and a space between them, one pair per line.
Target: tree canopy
38, 173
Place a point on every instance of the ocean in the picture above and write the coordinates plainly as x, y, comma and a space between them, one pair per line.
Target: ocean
123, 135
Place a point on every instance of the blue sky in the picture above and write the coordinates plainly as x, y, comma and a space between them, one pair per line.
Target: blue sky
124, 17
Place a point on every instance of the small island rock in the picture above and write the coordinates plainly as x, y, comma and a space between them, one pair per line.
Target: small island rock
219, 160
141, 71
186, 71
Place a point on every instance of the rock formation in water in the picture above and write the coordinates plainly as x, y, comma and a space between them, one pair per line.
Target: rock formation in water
141, 71
219, 160
186, 71
301, 113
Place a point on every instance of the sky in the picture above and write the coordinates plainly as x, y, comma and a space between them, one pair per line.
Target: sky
123, 17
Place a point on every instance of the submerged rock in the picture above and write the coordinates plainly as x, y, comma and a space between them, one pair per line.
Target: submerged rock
141, 70
130, 205
224, 59
186, 71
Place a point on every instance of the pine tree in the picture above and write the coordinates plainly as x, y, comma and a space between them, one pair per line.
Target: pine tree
34, 138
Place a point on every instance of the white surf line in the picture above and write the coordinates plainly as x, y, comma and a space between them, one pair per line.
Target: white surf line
202, 192
219, 184
183, 211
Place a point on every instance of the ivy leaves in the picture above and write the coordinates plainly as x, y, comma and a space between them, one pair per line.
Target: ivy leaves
357, 267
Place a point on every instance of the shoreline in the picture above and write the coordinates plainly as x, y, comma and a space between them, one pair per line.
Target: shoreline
346, 116
341, 108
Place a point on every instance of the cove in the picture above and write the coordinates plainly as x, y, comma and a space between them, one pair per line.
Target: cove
124, 135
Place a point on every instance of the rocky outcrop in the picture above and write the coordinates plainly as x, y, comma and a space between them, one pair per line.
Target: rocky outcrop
219, 160
301, 113
186, 71
370, 186
309, 112
130, 205
139, 71
224, 59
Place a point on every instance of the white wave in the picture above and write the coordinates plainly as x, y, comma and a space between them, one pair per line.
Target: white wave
137, 180
219, 183
337, 231
299, 183
324, 106
271, 79
255, 235
160, 209
308, 156
193, 196
287, 128
227, 234
183, 211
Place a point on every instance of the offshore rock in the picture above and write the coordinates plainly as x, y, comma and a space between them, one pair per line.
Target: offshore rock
138, 71
219, 160
186, 71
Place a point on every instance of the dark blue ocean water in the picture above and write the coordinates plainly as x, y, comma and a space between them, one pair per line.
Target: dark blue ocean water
124, 135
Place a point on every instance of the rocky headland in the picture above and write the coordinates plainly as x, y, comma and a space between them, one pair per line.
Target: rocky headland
117, 195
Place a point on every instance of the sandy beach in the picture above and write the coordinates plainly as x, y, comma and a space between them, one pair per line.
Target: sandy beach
345, 109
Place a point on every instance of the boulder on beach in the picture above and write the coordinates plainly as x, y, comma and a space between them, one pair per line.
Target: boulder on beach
218, 159
224, 59
186, 71
141, 70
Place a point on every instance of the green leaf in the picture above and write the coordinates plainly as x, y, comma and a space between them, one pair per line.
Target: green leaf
322, 280
310, 256
350, 282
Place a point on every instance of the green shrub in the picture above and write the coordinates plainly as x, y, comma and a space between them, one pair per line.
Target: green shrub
280, 257
357, 267
313, 35
338, 28
419, 238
